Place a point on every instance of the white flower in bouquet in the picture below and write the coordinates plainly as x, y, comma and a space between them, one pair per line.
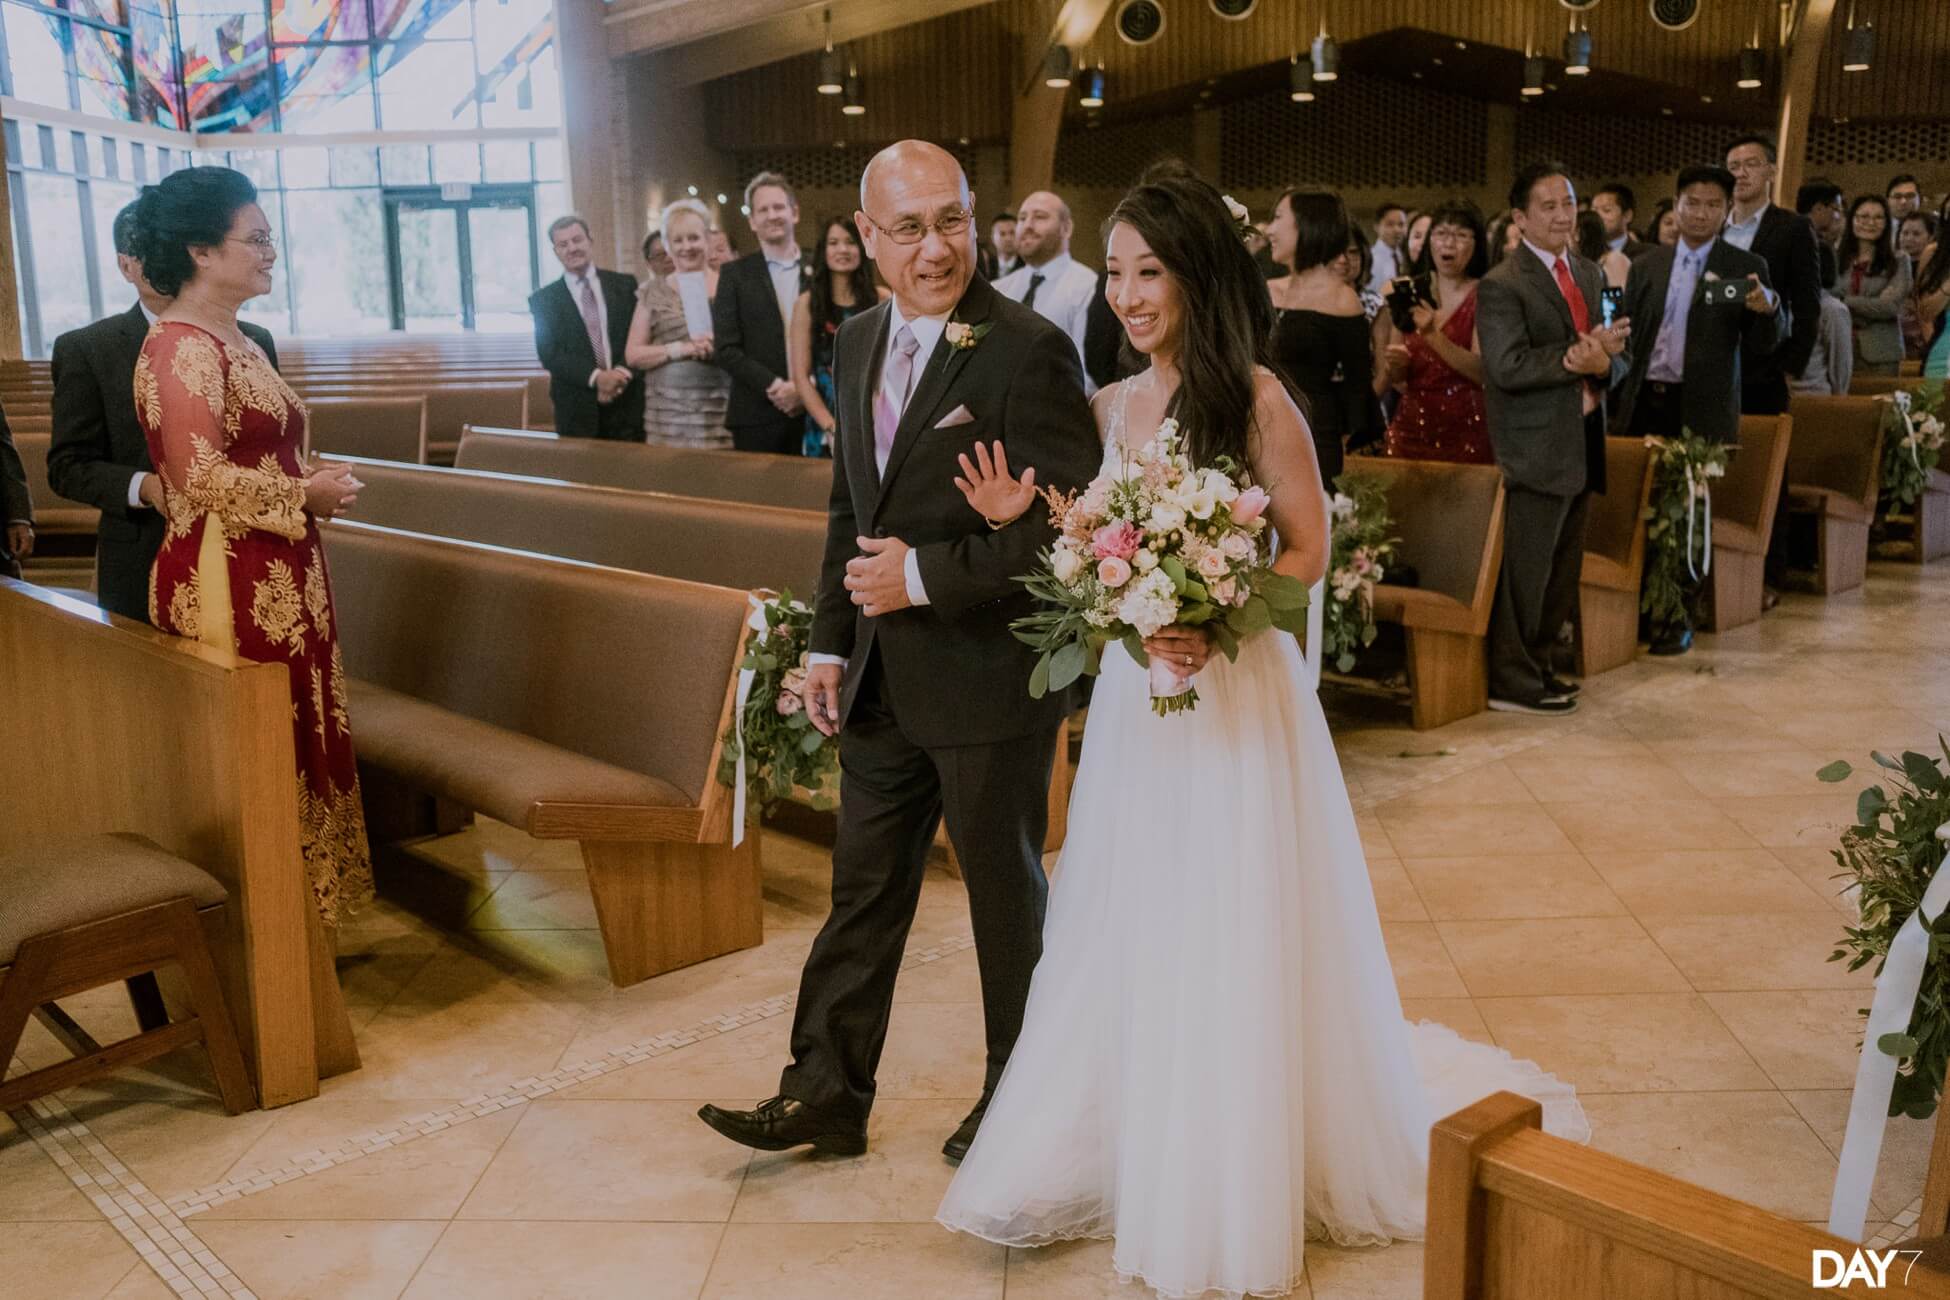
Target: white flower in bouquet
1220, 486
789, 703
1066, 564
1201, 504
1713, 469
1145, 560
1343, 507
794, 680
1212, 563
1165, 518
1236, 546
1150, 605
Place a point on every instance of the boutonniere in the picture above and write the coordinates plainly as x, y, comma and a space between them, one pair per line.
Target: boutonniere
963, 337
1712, 277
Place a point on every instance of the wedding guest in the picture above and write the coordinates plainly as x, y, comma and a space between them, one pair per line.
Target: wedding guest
749, 316
582, 324
16, 506
1002, 245
1049, 280
1546, 360
1385, 260
671, 342
1416, 245
1820, 201
1593, 247
1933, 305
1664, 231
1503, 236
1616, 206
1875, 279
1321, 331
722, 252
1438, 370
841, 288
98, 455
657, 261
1914, 240
1786, 241
1356, 266
242, 568
1683, 363
1903, 196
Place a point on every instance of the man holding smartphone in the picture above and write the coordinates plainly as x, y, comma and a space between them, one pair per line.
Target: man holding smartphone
1701, 303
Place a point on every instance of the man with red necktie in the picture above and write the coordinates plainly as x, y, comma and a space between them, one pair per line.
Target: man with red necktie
1546, 364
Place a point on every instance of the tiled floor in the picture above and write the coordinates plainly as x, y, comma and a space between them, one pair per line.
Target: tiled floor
1636, 897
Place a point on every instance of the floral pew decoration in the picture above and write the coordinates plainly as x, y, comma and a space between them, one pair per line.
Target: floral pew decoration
772, 752
1360, 552
1678, 524
1915, 492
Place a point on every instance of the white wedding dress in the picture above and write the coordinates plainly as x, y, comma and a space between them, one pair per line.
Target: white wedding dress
1214, 1064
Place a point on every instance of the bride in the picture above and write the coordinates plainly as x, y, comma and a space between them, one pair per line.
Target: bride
1214, 1064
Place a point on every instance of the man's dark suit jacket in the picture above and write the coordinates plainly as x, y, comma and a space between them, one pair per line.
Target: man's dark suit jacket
953, 671
562, 342
750, 347
98, 448
1536, 407
1635, 248
1786, 242
16, 503
1715, 339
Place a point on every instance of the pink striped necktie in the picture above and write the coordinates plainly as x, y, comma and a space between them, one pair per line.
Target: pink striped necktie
895, 379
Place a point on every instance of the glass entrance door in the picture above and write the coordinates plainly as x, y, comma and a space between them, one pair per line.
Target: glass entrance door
461, 263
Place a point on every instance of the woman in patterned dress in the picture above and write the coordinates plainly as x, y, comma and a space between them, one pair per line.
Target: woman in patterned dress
684, 394
241, 567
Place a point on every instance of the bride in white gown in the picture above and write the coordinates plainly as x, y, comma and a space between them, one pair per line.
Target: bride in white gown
1214, 1064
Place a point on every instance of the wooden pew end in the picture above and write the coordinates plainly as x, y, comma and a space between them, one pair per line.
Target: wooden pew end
663, 906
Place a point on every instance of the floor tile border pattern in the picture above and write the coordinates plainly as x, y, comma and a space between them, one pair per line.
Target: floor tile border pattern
178, 1256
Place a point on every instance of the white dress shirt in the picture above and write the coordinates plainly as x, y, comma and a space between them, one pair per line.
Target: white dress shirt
927, 335
1387, 265
1741, 234
1063, 298
785, 283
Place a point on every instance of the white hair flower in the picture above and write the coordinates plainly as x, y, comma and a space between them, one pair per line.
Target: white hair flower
1237, 209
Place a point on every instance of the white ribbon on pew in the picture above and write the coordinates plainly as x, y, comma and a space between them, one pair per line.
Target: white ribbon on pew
745, 675
1697, 490
1901, 399
1875, 1072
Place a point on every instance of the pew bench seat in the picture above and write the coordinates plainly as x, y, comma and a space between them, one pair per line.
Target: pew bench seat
1834, 473
527, 783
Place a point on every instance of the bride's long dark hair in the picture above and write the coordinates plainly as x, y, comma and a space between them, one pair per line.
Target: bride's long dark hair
1225, 314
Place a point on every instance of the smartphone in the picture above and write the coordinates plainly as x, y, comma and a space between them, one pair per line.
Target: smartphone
1610, 297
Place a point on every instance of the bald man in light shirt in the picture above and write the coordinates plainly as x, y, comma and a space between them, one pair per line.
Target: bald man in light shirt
1055, 285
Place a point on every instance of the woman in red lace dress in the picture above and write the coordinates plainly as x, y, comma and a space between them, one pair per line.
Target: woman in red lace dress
1439, 369
241, 567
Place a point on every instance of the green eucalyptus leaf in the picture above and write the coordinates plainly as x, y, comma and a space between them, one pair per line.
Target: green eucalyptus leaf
1897, 1045
1066, 665
1039, 678
1134, 647
1839, 770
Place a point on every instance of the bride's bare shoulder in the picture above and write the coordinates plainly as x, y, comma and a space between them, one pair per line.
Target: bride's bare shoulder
1103, 405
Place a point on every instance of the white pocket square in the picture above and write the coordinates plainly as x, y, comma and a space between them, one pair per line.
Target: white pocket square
960, 415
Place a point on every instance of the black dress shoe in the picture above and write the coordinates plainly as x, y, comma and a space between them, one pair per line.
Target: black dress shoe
1555, 685
781, 1123
964, 1137
1673, 643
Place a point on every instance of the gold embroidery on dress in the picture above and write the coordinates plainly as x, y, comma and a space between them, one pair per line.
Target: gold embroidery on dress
199, 369
340, 719
256, 384
317, 599
186, 606
276, 609
318, 704
148, 393
264, 497
332, 836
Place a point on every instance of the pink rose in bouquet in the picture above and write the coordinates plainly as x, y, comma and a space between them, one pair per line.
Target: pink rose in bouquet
1113, 572
1118, 540
1251, 505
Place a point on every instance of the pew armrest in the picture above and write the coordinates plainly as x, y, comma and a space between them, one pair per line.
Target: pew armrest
1415, 607
1828, 501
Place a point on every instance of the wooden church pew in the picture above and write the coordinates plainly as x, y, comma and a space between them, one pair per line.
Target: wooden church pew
1834, 472
1614, 560
1744, 511
794, 482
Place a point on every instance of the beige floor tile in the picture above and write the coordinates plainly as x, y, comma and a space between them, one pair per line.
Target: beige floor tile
1817, 868
1783, 950
173, 1146
1705, 882
1751, 1146
1673, 729
568, 1261
1488, 783
423, 1179
1385, 1273
537, 900
1504, 888
1631, 1042
1075, 1270
600, 1160
741, 1067
1794, 820
1422, 831
684, 997
1374, 840
63, 1261
934, 1053
32, 1186
849, 1261
1803, 1040
446, 1053
1851, 733
1558, 957
900, 1179
1904, 1160
1459, 1014
1628, 825
346, 1260
513, 966
1597, 740
1421, 963
141, 1284
1395, 898
1554, 779
955, 978
1786, 771
487, 845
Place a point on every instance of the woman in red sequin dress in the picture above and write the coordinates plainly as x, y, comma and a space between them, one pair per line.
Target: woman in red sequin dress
241, 567
1439, 369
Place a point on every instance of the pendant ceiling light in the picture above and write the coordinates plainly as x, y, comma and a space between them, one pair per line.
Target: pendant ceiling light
1056, 67
1753, 67
1577, 51
1093, 88
1533, 75
1327, 56
853, 105
832, 69
1300, 80
1859, 45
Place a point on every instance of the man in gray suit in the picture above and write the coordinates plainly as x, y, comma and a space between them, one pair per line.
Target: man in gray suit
1547, 361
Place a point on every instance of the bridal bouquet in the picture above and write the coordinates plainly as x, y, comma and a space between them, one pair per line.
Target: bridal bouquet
1151, 543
